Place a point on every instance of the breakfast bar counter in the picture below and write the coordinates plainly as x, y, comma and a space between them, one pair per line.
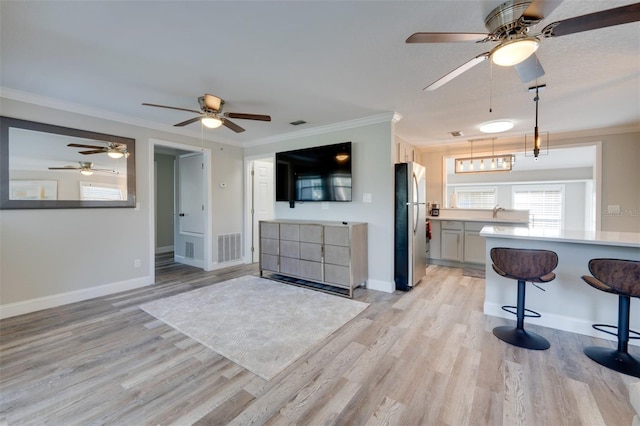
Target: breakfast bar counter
568, 303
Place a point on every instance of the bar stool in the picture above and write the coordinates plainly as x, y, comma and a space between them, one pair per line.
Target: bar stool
620, 277
524, 265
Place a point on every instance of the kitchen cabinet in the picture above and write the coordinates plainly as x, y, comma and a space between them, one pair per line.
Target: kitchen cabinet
452, 240
474, 244
332, 254
459, 243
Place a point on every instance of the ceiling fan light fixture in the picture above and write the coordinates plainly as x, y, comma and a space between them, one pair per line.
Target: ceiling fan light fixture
496, 126
514, 51
86, 172
115, 154
211, 122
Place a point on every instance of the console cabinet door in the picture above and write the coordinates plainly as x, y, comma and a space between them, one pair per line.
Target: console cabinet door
269, 233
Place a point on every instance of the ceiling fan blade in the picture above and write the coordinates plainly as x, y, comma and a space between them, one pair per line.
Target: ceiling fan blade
445, 37
605, 18
453, 74
77, 145
233, 126
540, 9
170, 107
529, 69
64, 168
212, 102
95, 151
189, 121
105, 170
247, 116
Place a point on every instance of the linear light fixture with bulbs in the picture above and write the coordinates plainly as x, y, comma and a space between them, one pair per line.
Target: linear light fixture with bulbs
485, 163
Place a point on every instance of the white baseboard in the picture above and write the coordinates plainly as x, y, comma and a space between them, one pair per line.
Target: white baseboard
217, 265
386, 286
24, 307
198, 263
558, 322
165, 249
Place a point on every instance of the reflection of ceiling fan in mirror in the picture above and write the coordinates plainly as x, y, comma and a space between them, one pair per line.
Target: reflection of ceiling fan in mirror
113, 150
211, 114
85, 167
509, 24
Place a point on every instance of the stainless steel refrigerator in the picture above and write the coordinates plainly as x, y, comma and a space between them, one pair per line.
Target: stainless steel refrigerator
410, 254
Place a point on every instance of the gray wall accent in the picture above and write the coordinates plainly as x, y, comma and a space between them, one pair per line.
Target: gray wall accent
72, 254
372, 170
165, 203
620, 174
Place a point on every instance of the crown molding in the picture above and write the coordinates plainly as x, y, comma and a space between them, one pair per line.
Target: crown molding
515, 138
386, 117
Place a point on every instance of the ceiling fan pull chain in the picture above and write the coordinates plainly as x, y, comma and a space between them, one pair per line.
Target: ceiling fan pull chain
490, 86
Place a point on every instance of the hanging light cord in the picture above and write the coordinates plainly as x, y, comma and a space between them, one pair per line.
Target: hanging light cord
536, 135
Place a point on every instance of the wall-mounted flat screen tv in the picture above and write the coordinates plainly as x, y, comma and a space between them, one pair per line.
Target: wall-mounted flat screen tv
321, 173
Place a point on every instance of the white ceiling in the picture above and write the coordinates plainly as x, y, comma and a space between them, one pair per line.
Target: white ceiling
324, 62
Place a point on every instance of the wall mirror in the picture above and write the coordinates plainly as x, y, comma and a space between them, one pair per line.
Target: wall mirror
43, 166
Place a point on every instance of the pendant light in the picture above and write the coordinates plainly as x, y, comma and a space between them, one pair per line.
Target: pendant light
538, 137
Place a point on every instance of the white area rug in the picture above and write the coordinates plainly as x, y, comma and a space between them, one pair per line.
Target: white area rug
262, 325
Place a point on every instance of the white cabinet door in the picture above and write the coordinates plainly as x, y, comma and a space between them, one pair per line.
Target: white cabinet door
451, 245
474, 247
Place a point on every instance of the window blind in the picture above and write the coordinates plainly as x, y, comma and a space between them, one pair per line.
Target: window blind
92, 191
476, 198
544, 205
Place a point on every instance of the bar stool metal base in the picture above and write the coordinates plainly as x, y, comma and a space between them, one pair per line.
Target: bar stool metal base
618, 361
521, 338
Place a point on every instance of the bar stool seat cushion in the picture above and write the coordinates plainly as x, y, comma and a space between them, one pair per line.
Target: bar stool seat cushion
597, 284
522, 264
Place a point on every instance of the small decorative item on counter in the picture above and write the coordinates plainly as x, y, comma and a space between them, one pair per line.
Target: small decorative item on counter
453, 201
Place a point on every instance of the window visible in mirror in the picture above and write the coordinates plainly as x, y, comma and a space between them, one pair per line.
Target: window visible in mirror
38, 157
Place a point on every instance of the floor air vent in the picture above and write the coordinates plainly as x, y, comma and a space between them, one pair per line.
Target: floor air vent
229, 247
188, 249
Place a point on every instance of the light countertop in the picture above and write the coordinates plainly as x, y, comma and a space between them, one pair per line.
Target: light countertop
479, 219
620, 239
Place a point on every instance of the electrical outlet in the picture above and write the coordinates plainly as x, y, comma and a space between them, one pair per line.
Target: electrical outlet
136, 263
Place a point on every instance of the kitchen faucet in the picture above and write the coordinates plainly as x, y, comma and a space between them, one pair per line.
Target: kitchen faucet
496, 209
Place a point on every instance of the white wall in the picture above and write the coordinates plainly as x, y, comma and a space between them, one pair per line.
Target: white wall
50, 257
372, 168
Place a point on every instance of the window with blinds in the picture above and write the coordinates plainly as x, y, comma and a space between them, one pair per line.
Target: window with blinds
543, 202
476, 197
100, 191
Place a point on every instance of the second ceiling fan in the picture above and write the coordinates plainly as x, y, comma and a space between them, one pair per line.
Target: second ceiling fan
510, 23
211, 114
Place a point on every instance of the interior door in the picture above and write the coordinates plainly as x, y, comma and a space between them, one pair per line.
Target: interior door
191, 214
262, 207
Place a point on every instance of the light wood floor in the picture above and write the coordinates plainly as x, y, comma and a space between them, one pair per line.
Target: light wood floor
426, 357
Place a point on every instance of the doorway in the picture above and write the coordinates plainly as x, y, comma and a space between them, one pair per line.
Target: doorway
182, 225
259, 192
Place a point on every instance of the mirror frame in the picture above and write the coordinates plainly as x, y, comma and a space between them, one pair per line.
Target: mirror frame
7, 123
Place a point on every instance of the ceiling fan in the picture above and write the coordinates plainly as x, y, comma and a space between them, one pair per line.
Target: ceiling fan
85, 167
113, 150
509, 25
211, 114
